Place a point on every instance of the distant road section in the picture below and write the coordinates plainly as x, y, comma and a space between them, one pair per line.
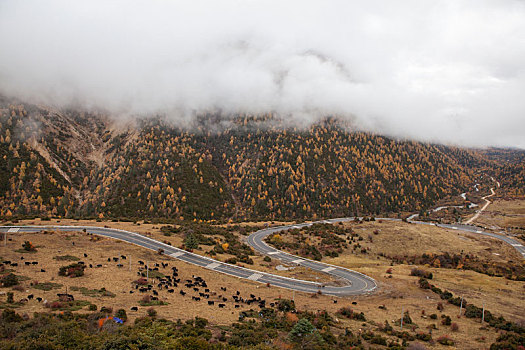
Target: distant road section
487, 202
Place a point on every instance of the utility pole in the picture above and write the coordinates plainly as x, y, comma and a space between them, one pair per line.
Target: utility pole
483, 314
461, 306
293, 296
147, 271
130, 262
402, 314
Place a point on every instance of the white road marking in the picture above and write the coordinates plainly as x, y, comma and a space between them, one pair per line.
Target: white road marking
328, 269
298, 261
13, 229
255, 276
213, 265
297, 227
454, 228
272, 253
517, 245
176, 254
478, 231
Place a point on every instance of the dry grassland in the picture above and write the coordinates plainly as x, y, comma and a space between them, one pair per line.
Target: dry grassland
502, 213
399, 292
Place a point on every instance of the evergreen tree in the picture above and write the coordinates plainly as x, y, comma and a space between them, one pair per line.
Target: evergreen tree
191, 241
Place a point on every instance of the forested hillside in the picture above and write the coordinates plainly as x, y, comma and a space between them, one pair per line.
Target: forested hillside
509, 169
75, 164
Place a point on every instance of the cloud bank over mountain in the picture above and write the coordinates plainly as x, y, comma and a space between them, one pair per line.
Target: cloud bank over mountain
449, 71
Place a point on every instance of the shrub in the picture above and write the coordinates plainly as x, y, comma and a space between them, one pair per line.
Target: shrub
10, 316
508, 341
378, 339
440, 306
191, 241
28, 246
446, 320
301, 330
106, 309
434, 316
406, 318
200, 322
121, 313
389, 271
152, 312
73, 270
446, 295
9, 280
47, 286
423, 336
421, 273
141, 281
286, 305
10, 298
424, 284
457, 301
232, 261
267, 259
246, 259
350, 314
454, 327
445, 340
92, 307
55, 305
472, 311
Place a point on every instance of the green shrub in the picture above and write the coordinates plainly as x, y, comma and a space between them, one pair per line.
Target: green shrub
152, 312
350, 314
47, 286
9, 280
421, 273
424, 336
286, 305
445, 340
121, 313
446, 320
73, 270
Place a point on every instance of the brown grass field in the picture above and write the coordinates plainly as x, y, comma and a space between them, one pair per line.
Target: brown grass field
400, 291
504, 214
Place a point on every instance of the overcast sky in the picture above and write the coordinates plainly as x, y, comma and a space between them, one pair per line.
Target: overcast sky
449, 71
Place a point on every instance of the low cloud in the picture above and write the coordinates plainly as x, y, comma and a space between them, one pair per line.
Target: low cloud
449, 71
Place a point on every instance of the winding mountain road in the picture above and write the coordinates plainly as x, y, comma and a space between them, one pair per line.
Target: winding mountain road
355, 283
487, 202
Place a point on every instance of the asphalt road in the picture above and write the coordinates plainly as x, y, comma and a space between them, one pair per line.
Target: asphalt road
353, 283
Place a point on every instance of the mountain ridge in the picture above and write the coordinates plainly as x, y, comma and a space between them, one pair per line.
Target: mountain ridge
77, 164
